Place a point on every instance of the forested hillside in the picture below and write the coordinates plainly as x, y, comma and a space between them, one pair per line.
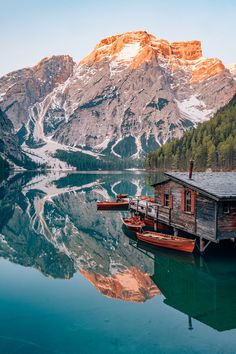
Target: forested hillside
87, 162
211, 145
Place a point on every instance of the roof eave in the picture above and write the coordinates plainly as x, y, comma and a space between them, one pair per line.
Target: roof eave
228, 199
158, 183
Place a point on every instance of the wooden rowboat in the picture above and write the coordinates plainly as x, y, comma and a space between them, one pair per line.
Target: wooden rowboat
133, 223
112, 205
167, 241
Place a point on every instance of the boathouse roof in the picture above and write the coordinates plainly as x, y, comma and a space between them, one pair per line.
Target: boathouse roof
218, 185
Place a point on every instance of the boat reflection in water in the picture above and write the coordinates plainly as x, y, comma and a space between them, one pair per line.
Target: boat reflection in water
203, 289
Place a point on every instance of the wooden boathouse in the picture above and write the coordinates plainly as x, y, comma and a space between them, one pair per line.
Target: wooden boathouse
201, 204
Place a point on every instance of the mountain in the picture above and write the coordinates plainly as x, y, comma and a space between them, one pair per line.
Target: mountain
21, 89
19, 92
130, 95
10, 150
232, 69
212, 145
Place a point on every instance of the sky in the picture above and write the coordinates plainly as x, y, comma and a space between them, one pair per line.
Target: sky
33, 29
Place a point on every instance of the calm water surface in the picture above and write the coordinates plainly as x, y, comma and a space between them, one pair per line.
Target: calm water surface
72, 280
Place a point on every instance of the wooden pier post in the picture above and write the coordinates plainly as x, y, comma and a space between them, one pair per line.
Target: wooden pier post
202, 244
146, 210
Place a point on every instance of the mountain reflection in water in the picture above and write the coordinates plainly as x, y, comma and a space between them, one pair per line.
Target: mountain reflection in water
50, 222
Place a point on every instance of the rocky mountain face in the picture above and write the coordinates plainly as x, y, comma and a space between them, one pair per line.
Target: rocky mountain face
21, 89
10, 149
232, 69
132, 94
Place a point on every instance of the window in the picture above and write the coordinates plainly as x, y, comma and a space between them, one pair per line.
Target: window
167, 199
226, 208
187, 201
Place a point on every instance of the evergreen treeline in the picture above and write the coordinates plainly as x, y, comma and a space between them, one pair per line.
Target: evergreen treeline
86, 162
211, 145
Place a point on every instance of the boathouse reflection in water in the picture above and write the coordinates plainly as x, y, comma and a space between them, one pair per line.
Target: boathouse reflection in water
203, 289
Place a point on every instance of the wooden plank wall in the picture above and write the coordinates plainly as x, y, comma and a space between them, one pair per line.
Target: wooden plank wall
177, 218
201, 223
205, 217
227, 222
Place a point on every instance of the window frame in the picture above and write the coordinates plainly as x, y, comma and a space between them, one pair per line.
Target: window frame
188, 202
166, 199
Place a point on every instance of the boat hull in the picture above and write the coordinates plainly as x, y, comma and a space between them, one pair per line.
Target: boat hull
133, 224
112, 205
167, 241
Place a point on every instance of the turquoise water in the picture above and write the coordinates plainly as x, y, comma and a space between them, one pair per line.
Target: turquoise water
72, 281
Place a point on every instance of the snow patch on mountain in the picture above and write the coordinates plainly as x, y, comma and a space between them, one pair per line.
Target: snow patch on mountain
103, 145
129, 52
124, 58
139, 148
114, 145
194, 109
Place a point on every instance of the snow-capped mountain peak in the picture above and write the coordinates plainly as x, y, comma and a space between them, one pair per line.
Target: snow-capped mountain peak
131, 94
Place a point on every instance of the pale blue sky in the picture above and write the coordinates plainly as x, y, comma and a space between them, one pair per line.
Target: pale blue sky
31, 29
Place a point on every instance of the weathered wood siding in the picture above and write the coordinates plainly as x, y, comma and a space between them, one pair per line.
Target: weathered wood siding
227, 222
163, 212
179, 218
205, 217
174, 217
201, 222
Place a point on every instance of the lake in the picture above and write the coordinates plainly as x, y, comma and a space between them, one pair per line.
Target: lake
74, 281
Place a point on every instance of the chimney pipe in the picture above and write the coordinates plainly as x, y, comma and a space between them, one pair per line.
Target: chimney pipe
190, 169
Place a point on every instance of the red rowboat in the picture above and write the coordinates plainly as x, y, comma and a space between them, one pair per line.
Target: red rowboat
167, 241
112, 205
133, 223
